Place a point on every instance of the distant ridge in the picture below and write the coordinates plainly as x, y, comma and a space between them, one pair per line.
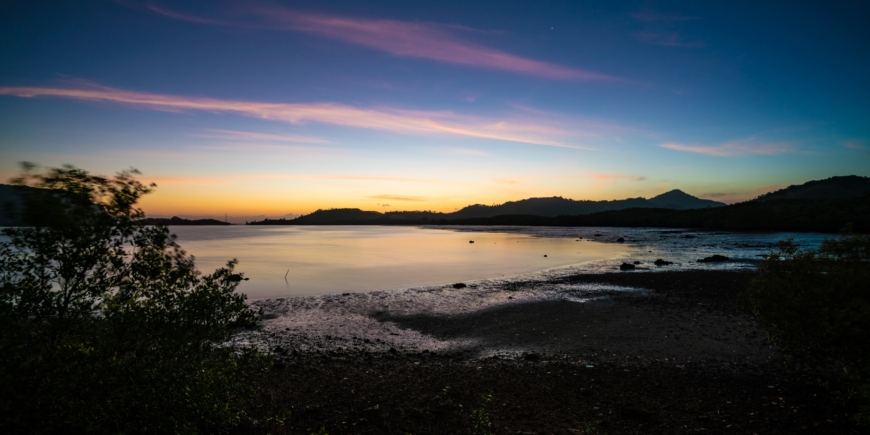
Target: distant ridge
558, 206
546, 207
829, 188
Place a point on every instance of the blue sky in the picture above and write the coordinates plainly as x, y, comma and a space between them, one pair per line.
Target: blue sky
286, 107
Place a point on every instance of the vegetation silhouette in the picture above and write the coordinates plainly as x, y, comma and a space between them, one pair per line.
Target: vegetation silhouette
816, 307
177, 221
108, 327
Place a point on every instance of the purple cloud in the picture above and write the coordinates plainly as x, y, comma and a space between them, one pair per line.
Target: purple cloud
399, 38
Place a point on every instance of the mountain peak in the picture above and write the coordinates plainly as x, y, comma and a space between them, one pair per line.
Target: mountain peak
677, 199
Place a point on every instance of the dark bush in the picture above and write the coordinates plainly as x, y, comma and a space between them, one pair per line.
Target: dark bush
107, 326
816, 306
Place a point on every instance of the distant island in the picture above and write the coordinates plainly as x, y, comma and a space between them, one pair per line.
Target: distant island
175, 220
828, 205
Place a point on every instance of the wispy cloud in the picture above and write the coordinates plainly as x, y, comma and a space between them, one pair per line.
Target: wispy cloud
734, 148
399, 198
616, 177
667, 39
461, 152
399, 38
254, 136
402, 121
855, 144
224, 179
717, 194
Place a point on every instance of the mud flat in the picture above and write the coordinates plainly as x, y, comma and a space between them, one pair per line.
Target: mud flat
632, 353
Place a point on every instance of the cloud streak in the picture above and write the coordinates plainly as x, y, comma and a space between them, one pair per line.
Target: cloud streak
260, 137
399, 38
616, 177
399, 198
732, 148
401, 121
667, 40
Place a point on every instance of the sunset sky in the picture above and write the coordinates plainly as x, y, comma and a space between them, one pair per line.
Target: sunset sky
273, 108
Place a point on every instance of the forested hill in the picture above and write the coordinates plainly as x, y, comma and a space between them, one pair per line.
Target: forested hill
830, 188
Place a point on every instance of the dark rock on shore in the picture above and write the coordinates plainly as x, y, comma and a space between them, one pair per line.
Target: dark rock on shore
714, 259
620, 240
660, 262
459, 285
626, 266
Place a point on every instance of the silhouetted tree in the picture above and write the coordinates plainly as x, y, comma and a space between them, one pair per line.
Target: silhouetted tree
107, 326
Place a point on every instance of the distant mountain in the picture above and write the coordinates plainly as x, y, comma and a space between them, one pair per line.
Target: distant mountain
679, 200
828, 216
830, 188
549, 207
558, 206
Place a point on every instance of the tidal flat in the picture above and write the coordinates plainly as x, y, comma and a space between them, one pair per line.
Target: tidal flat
616, 353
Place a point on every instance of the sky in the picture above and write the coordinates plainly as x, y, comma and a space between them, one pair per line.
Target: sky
271, 108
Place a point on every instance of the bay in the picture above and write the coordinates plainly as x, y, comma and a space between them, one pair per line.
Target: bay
286, 261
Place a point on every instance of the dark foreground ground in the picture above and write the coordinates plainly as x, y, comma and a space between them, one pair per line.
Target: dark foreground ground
677, 360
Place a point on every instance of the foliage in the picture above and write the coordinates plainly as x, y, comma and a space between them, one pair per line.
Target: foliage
480, 419
816, 305
107, 325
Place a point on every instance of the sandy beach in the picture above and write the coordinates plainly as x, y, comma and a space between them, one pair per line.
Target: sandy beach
627, 353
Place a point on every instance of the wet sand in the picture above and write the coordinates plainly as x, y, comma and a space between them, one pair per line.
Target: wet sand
638, 353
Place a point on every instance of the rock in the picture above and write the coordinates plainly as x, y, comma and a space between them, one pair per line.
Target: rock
714, 259
532, 357
637, 262
620, 240
459, 285
626, 266
661, 262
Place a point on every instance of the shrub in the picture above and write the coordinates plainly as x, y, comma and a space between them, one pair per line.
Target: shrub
816, 305
481, 424
107, 325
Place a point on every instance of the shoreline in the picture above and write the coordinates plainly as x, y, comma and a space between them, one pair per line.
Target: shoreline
675, 357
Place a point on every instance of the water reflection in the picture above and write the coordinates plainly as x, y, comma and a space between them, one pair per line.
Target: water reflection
335, 259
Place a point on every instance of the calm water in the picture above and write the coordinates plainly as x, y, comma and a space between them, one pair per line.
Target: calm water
312, 260
335, 259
